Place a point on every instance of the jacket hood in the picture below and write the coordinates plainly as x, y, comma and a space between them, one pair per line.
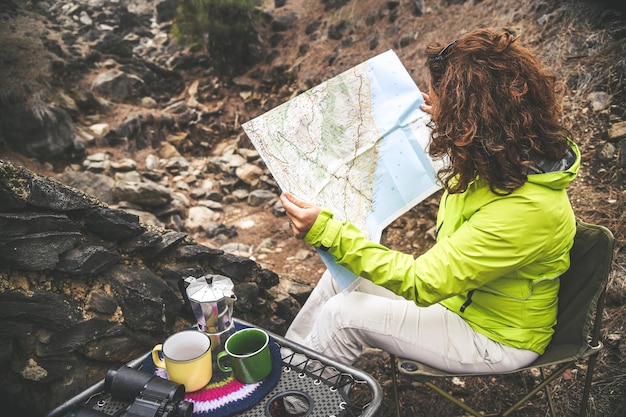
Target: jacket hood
558, 174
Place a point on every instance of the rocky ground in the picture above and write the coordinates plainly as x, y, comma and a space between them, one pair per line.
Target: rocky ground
184, 131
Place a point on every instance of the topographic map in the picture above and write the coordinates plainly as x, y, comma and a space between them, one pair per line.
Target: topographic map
355, 144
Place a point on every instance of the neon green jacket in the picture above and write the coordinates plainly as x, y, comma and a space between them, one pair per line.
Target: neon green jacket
495, 263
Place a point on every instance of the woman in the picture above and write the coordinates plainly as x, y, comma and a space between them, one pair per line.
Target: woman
484, 297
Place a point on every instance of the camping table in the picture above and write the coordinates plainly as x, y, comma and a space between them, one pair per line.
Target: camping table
331, 388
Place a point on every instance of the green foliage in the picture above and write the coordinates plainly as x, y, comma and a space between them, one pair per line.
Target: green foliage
225, 28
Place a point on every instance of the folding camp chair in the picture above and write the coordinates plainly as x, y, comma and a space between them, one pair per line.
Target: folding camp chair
576, 335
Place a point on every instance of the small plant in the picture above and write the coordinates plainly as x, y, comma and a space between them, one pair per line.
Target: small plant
224, 28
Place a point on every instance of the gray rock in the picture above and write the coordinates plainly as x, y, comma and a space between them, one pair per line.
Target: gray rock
112, 224
117, 85
169, 239
149, 102
97, 185
152, 162
213, 205
278, 210
147, 302
418, 7
173, 207
177, 164
197, 193
119, 346
199, 217
283, 22
29, 221
606, 152
617, 131
267, 279
142, 243
101, 302
146, 193
87, 259
100, 129
85, 19
247, 295
127, 176
74, 337
302, 254
249, 173
233, 266
260, 197
36, 251
147, 218
45, 309
45, 133
55, 196
196, 253
239, 249
240, 194
599, 100
124, 165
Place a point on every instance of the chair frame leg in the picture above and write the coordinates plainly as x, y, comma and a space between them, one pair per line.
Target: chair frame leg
394, 379
452, 399
591, 364
543, 385
548, 393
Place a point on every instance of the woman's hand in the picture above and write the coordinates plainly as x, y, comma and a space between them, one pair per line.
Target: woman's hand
428, 104
301, 214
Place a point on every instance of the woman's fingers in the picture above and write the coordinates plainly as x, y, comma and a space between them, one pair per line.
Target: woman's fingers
301, 214
288, 204
292, 199
427, 106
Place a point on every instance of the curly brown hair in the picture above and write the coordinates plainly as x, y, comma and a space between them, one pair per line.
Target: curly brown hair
495, 109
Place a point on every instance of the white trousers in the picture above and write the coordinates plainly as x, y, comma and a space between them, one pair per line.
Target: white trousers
340, 324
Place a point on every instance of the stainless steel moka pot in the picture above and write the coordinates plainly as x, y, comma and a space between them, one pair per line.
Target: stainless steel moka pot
212, 299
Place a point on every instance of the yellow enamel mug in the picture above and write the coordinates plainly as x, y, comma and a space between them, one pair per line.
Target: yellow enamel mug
186, 356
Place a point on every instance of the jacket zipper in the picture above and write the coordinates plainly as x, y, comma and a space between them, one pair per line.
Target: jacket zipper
468, 301
439, 227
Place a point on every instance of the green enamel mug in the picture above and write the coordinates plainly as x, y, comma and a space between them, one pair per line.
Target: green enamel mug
249, 353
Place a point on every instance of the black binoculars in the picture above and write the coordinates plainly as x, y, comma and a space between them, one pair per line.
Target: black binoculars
142, 395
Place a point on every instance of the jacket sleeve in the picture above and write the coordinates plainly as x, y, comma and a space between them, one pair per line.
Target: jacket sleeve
454, 265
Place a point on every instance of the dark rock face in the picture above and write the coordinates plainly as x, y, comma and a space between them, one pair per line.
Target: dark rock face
45, 133
84, 287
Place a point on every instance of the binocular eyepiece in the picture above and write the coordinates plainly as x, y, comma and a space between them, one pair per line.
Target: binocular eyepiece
127, 383
149, 396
